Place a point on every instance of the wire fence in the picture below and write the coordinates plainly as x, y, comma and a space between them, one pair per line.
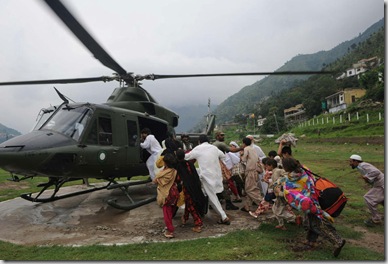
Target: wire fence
343, 118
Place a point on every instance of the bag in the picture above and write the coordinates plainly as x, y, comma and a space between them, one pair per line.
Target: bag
330, 196
181, 199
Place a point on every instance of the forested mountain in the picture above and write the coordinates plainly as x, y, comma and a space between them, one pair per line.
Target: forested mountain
250, 98
7, 133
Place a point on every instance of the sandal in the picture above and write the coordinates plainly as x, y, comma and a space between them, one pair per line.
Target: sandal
226, 221
168, 234
253, 214
282, 227
197, 229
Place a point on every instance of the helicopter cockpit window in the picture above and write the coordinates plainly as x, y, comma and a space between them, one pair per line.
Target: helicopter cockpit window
43, 115
69, 121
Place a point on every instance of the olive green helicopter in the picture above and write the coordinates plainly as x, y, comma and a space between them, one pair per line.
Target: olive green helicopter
75, 141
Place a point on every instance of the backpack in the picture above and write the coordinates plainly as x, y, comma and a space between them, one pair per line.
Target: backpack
331, 198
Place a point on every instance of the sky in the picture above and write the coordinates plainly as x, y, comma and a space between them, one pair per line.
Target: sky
163, 37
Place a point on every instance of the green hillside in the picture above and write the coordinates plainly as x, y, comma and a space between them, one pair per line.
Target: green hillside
253, 98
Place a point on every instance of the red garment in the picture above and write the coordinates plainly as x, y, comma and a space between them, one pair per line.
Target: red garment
168, 211
190, 209
232, 187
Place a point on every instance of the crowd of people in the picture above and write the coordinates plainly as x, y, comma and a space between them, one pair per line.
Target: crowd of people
277, 184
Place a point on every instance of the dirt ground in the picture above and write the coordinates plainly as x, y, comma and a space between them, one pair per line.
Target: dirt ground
88, 220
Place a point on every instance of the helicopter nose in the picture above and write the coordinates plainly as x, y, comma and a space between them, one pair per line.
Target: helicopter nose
25, 154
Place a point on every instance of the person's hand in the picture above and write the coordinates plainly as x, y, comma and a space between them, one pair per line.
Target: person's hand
283, 141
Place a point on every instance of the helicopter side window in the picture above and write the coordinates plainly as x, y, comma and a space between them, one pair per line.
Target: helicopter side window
105, 131
92, 137
132, 133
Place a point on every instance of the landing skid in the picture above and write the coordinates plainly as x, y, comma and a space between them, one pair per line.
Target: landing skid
132, 204
58, 183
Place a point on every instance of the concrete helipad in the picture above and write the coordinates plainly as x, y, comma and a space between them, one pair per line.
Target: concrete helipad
87, 219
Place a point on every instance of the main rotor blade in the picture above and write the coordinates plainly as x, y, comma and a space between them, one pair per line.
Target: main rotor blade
159, 76
74, 80
80, 32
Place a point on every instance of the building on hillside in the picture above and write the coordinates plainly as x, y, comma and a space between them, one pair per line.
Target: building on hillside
260, 121
360, 67
343, 99
295, 114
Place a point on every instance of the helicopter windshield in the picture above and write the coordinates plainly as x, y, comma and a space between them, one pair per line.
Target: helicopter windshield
43, 115
69, 121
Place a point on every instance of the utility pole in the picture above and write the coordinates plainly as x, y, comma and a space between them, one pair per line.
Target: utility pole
276, 121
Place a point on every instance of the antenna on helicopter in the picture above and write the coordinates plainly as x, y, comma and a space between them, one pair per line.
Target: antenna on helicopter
64, 98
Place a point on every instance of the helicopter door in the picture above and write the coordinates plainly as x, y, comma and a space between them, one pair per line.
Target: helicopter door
100, 154
158, 129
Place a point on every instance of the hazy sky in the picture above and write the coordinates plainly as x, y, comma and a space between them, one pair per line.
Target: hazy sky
163, 37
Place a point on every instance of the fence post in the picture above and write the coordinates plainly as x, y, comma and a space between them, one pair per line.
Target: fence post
367, 118
333, 120
341, 119
357, 116
379, 116
349, 117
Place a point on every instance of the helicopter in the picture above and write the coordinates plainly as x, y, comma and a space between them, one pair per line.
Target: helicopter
78, 140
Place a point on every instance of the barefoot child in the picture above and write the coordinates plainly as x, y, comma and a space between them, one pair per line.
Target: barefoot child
269, 178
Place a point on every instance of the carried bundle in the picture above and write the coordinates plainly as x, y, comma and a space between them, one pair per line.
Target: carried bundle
331, 198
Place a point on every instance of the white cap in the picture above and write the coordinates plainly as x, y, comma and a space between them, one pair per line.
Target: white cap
356, 157
233, 143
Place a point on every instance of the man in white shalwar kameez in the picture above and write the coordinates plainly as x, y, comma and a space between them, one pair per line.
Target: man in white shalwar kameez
152, 145
208, 157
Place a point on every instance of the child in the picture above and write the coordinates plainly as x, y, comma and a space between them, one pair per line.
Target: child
167, 192
281, 209
273, 173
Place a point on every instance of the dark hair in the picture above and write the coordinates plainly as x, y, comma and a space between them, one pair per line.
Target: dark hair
169, 160
290, 165
203, 138
264, 160
146, 130
287, 149
180, 154
247, 141
272, 162
272, 153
